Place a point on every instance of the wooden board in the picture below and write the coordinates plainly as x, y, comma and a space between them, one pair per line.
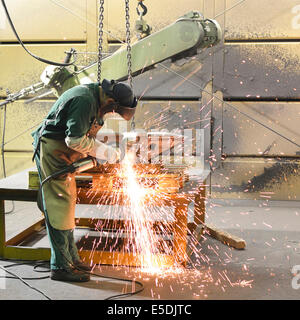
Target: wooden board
107, 182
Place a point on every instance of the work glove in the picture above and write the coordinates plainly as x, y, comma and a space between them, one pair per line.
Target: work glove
94, 148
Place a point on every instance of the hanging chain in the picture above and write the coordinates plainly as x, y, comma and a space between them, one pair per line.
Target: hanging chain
128, 42
129, 65
100, 39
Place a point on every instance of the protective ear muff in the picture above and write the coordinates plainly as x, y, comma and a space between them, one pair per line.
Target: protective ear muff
108, 86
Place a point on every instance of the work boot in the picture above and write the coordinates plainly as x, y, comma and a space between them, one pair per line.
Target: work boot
80, 265
70, 275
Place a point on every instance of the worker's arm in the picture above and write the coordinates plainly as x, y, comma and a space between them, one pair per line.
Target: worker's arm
93, 147
80, 115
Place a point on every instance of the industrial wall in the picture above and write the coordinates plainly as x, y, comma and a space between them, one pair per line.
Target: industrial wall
247, 88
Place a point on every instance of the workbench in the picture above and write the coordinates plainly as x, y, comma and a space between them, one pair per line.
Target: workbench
15, 188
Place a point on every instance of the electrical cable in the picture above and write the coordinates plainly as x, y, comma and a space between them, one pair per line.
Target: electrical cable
15, 276
22, 44
29, 262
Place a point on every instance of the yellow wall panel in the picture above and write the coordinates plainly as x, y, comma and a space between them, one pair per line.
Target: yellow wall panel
36, 20
256, 19
21, 120
19, 69
16, 162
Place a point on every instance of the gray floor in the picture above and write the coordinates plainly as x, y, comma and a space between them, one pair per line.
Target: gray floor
262, 271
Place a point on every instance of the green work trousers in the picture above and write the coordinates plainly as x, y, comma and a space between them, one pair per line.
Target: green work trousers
64, 252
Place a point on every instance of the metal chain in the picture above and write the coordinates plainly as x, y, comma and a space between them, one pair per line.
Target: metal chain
129, 64
128, 42
100, 39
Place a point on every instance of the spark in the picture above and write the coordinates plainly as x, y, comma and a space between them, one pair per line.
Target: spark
269, 226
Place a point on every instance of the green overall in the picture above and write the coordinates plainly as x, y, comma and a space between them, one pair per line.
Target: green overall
72, 115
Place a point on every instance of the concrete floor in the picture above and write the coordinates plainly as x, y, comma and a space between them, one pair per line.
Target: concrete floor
262, 271
215, 271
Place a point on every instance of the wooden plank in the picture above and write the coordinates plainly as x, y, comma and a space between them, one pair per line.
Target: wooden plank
225, 237
109, 224
106, 182
20, 237
199, 207
180, 234
195, 238
26, 253
124, 259
112, 198
18, 194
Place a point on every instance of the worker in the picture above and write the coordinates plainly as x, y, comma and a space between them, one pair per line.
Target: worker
67, 134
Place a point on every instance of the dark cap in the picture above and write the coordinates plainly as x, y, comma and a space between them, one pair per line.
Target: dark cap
121, 92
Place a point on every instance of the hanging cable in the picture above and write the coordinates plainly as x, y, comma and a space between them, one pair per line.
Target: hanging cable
30, 53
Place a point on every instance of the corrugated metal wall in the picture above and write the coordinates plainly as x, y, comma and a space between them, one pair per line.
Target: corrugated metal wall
258, 73
244, 86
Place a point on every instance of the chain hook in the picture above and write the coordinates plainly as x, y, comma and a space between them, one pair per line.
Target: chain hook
145, 10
